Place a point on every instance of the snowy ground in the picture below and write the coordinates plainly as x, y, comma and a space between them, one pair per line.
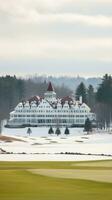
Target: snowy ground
42, 147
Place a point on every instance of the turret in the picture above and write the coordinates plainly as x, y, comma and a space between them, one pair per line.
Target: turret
50, 95
50, 87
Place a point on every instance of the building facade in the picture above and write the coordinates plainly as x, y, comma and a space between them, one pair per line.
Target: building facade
50, 111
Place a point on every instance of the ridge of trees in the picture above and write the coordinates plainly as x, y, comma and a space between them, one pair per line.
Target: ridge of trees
104, 100
100, 101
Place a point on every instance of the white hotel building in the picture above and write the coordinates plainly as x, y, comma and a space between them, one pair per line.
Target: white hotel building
50, 111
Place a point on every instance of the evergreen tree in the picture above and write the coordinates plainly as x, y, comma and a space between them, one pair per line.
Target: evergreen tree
81, 91
88, 125
104, 100
0, 128
104, 93
50, 131
67, 132
57, 132
29, 131
91, 97
10, 94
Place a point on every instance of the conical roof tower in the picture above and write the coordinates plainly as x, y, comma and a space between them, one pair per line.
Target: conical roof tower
50, 87
50, 95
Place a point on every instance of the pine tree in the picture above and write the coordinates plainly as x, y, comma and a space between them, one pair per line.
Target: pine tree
104, 93
81, 91
104, 100
91, 97
11, 92
67, 132
88, 125
50, 131
57, 132
0, 128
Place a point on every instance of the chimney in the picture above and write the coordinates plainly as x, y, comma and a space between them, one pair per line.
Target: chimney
80, 99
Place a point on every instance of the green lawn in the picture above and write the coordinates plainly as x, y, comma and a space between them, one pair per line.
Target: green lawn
18, 183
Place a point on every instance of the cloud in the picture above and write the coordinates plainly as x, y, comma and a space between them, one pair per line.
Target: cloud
68, 30
61, 48
23, 11
49, 5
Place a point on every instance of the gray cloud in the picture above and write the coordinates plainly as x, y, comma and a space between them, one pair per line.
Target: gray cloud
67, 32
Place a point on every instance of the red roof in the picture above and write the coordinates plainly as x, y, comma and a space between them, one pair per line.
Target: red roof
50, 87
35, 98
67, 98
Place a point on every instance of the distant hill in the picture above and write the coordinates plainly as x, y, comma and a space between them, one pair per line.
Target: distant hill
69, 82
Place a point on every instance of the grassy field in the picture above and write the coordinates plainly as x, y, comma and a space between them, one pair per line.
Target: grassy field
54, 180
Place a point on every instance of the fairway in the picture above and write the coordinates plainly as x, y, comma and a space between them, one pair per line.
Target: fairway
94, 175
56, 180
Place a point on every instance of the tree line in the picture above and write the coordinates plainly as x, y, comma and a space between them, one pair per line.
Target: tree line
11, 92
100, 100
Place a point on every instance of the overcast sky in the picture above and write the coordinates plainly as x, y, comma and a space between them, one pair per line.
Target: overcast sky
72, 37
